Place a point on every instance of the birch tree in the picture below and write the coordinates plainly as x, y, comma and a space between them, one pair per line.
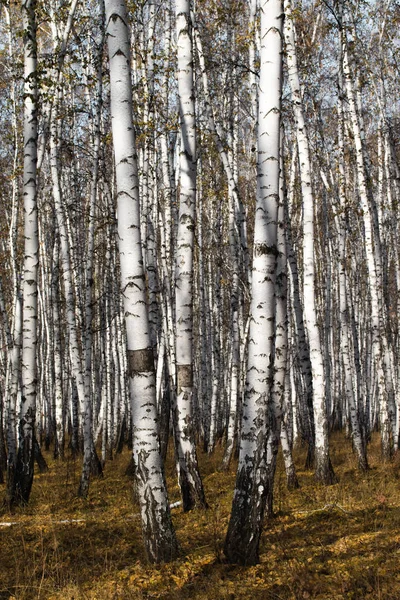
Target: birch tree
373, 248
345, 329
159, 536
188, 471
23, 477
323, 467
245, 525
13, 375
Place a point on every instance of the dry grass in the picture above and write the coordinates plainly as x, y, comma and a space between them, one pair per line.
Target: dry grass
330, 543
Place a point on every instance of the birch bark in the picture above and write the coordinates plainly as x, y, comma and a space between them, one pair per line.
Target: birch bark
188, 472
379, 345
323, 467
159, 536
345, 330
13, 375
23, 478
244, 530
305, 386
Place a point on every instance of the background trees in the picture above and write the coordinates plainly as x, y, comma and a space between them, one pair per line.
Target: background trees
198, 75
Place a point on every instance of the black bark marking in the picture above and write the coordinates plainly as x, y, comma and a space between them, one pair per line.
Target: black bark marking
140, 361
184, 377
261, 249
324, 472
158, 532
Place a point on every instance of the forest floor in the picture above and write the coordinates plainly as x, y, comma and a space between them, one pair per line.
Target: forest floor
330, 543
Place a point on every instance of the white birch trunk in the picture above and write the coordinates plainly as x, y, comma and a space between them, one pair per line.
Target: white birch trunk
279, 425
234, 388
305, 387
23, 477
58, 391
13, 375
242, 541
188, 471
280, 351
158, 533
345, 332
374, 264
323, 468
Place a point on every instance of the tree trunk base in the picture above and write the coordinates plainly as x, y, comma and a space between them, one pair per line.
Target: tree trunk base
292, 481
362, 460
96, 468
20, 484
310, 458
244, 531
192, 494
130, 469
324, 472
39, 458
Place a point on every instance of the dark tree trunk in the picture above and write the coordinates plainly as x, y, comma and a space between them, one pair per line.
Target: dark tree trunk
324, 472
39, 458
165, 422
3, 452
310, 458
22, 478
95, 465
130, 469
291, 479
245, 525
75, 441
121, 436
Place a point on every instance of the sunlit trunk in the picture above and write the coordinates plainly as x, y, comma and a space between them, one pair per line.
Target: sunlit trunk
158, 532
188, 472
23, 477
248, 507
323, 467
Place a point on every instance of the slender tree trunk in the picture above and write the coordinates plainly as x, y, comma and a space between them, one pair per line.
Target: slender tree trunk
158, 533
345, 329
379, 346
13, 375
23, 477
323, 467
305, 387
245, 525
279, 392
280, 350
188, 472
57, 358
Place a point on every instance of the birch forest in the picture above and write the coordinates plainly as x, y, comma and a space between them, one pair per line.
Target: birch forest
200, 295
